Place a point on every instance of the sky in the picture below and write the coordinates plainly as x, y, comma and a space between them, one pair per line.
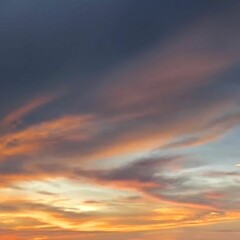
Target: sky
119, 119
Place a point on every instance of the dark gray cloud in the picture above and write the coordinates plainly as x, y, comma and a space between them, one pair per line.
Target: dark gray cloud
43, 44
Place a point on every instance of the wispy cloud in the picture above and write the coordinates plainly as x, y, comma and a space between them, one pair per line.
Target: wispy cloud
143, 138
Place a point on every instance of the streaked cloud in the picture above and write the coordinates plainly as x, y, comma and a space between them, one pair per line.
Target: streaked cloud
120, 120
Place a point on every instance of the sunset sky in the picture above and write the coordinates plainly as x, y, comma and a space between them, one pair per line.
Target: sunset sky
120, 120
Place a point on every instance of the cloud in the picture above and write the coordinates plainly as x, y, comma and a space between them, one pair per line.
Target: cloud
42, 136
20, 113
40, 219
213, 131
168, 179
179, 93
171, 92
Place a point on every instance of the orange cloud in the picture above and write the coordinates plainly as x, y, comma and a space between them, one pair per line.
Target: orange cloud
41, 136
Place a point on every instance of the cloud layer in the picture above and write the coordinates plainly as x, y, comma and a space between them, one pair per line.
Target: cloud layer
119, 120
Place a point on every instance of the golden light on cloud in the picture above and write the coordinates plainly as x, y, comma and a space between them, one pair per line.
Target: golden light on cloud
119, 120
